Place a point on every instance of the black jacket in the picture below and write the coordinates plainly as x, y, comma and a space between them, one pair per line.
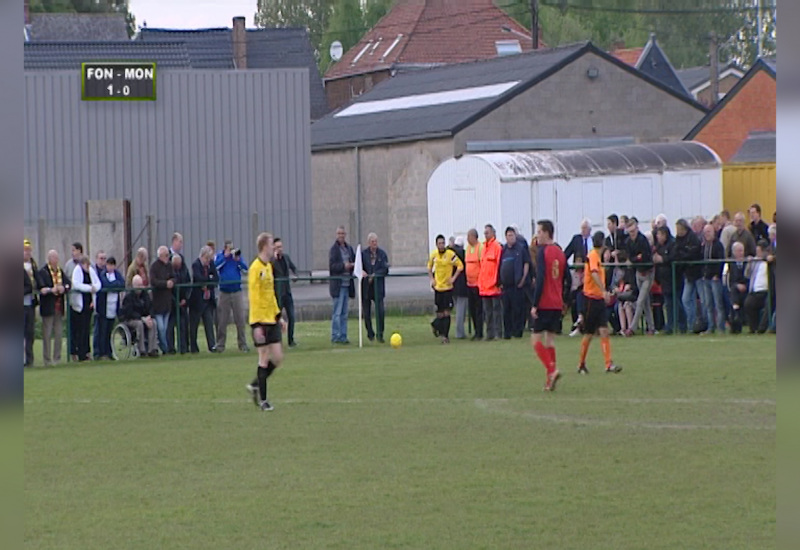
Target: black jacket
47, 302
202, 275
380, 270
759, 230
714, 251
135, 306
640, 253
282, 268
340, 275
664, 269
577, 247
460, 284
619, 242
163, 297
182, 277
687, 248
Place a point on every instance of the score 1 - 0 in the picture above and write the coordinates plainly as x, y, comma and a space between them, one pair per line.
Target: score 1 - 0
118, 81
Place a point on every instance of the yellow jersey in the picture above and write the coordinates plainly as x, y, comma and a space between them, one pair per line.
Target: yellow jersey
442, 265
261, 288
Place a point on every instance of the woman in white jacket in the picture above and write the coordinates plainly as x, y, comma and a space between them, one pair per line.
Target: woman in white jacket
85, 285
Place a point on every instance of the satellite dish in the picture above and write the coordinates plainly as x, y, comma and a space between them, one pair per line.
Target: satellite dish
336, 50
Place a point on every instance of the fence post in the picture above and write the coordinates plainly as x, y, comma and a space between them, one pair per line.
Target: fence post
675, 312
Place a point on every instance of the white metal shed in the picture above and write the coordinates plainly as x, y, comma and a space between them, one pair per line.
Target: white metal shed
681, 179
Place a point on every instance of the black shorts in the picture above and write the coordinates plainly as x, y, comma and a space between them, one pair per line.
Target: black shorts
596, 315
547, 320
443, 300
264, 334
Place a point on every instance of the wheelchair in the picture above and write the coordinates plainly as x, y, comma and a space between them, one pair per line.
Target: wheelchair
123, 343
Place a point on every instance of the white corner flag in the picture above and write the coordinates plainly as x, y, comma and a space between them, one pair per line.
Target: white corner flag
358, 271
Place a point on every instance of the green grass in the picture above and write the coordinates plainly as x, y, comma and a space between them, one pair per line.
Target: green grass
423, 447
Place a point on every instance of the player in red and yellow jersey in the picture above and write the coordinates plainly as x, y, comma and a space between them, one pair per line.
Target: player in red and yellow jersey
265, 320
596, 314
443, 268
547, 300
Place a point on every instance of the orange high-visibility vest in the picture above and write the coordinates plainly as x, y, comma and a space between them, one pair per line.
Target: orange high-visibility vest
472, 259
490, 264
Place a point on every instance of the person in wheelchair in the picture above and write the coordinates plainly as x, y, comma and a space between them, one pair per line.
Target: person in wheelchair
135, 314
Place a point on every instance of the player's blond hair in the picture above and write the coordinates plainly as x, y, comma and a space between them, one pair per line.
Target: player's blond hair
263, 240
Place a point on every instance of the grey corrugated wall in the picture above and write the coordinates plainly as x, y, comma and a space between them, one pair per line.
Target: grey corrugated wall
214, 148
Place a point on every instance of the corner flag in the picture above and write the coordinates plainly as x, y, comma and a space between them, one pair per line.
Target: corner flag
358, 271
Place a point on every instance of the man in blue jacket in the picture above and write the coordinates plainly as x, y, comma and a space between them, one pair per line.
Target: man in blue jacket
373, 285
515, 262
230, 267
341, 261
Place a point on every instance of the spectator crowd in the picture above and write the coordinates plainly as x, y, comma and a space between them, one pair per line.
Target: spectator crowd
705, 277
162, 302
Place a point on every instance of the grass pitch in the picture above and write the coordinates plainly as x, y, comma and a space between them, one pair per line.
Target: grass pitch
428, 446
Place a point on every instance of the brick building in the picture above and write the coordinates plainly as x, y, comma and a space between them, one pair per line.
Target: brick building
422, 34
749, 106
371, 161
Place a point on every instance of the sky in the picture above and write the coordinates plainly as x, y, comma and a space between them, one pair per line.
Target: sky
191, 14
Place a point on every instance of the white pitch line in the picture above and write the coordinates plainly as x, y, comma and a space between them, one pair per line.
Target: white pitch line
633, 400
487, 406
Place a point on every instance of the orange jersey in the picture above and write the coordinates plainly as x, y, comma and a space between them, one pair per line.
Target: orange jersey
592, 265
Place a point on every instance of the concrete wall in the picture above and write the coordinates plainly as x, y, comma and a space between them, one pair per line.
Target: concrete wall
570, 105
108, 230
394, 181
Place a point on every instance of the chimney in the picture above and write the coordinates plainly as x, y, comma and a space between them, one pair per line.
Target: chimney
239, 43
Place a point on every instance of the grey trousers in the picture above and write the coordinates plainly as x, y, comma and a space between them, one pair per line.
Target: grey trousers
462, 308
493, 316
138, 328
645, 283
230, 301
51, 333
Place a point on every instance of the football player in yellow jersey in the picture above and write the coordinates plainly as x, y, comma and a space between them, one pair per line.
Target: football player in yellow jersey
265, 320
443, 268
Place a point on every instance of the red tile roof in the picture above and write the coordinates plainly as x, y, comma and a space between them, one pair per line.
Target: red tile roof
431, 32
628, 55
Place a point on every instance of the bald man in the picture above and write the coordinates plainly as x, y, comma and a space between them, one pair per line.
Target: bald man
54, 285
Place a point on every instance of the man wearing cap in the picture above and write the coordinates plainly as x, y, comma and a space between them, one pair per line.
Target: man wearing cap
230, 267
29, 298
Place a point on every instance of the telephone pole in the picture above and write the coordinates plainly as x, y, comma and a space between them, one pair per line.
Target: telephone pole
714, 66
535, 23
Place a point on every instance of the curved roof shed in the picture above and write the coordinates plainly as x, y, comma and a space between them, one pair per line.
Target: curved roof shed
631, 159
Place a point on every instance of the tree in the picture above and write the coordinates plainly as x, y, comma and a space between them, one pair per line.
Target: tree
325, 20
86, 6
312, 15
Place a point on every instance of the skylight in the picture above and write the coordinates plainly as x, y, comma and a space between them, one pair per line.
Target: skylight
427, 100
390, 48
507, 47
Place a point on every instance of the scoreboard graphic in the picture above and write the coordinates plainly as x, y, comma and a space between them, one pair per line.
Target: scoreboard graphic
118, 81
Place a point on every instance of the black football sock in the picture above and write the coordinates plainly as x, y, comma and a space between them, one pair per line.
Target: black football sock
262, 382
446, 327
271, 368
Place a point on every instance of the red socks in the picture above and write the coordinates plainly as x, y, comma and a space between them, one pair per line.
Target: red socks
546, 355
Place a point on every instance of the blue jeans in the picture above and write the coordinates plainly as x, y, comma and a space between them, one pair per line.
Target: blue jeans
689, 301
712, 301
162, 322
339, 319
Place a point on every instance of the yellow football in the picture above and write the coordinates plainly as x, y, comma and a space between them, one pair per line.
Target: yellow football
396, 340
